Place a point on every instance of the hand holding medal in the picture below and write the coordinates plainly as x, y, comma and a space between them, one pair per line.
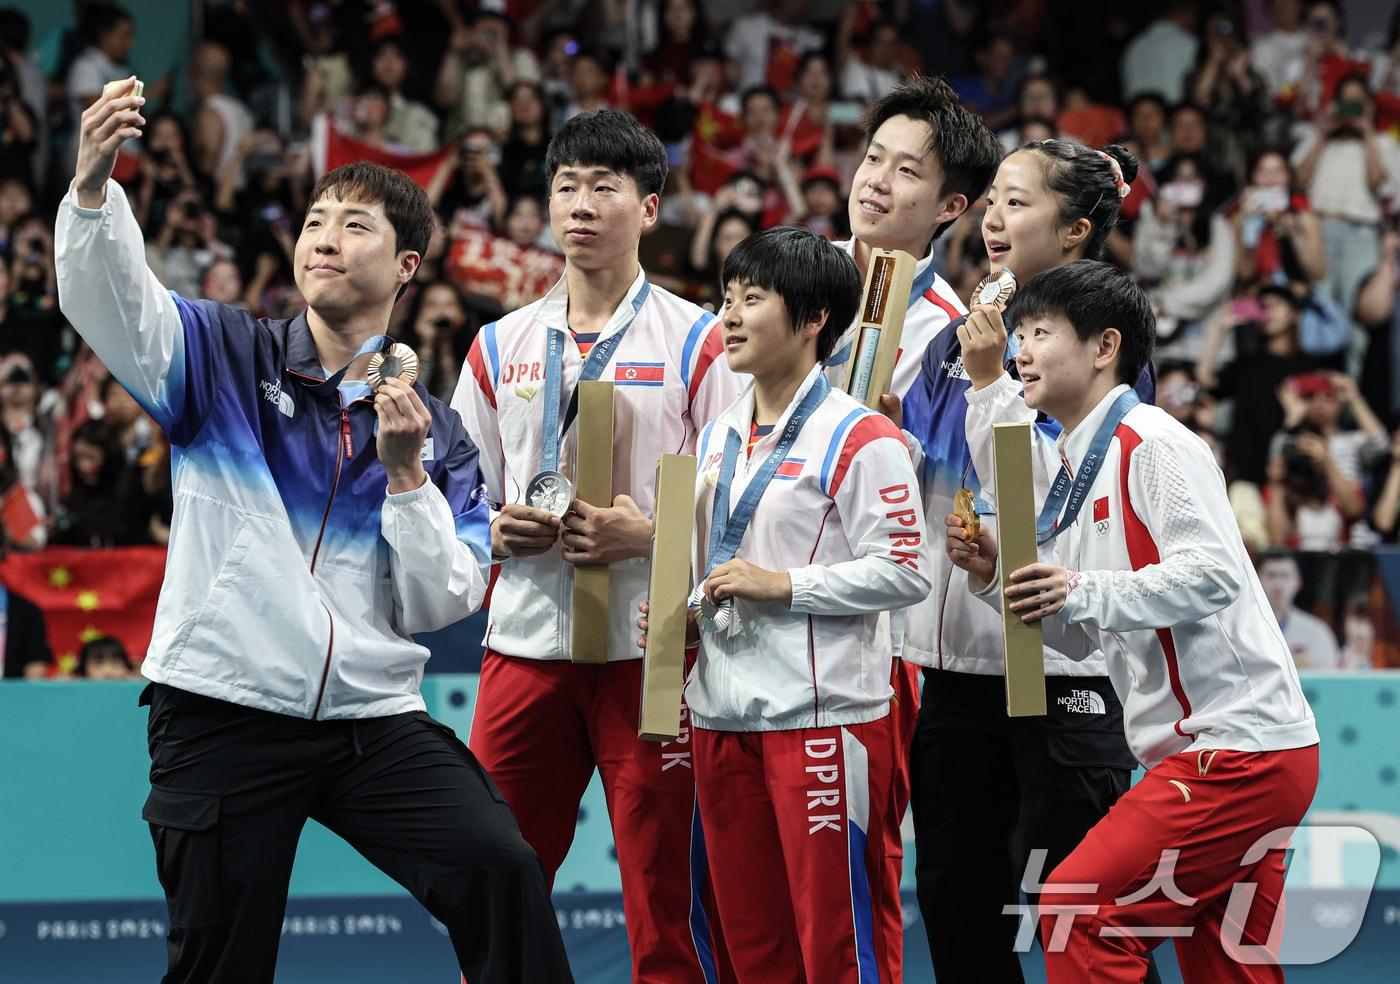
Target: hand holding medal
983, 333
398, 361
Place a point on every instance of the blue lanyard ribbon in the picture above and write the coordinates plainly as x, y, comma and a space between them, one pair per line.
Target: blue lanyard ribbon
1076, 489
726, 531
378, 343
598, 357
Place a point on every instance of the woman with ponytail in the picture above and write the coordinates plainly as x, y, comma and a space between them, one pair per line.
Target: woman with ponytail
991, 790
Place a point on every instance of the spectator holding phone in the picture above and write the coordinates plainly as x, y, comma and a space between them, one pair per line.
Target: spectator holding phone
186, 245
1385, 514
1314, 402
1315, 490
1309, 502
1277, 234
467, 188
1224, 83
164, 169
1184, 252
477, 71
1376, 310
1264, 332
33, 324
1347, 169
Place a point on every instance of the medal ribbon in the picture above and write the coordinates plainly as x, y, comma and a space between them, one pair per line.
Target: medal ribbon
726, 531
1046, 527
378, 343
598, 358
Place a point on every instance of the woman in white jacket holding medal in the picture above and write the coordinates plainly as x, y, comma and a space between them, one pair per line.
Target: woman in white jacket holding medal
808, 533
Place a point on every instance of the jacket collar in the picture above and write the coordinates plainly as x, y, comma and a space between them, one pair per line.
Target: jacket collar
740, 413
553, 308
1074, 445
301, 350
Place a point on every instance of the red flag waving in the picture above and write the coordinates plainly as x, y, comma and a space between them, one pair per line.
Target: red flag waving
330, 148
85, 594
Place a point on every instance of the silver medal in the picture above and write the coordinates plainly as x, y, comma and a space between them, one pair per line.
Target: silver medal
550, 491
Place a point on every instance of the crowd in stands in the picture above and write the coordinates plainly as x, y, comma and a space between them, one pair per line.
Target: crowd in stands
1263, 221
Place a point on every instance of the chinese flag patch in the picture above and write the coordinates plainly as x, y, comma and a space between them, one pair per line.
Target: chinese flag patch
1100, 509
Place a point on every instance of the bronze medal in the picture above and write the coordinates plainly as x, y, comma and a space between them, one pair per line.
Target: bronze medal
995, 289
399, 362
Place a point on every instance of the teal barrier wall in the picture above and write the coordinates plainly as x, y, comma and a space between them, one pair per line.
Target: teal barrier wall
73, 777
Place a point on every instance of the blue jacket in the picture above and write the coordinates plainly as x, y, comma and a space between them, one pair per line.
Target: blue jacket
294, 581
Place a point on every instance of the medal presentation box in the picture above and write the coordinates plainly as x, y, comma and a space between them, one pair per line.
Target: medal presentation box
593, 470
1023, 644
663, 665
888, 278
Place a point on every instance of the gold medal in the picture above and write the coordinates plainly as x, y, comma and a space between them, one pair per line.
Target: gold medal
400, 362
965, 509
995, 289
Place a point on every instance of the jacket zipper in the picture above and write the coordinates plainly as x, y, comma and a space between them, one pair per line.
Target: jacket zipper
348, 447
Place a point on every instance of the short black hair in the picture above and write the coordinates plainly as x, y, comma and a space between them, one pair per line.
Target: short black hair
1084, 183
608, 138
14, 29
966, 150
406, 205
104, 649
1282, 293
1093, 296
1153, 97
762, 89
99, 20
811, 275
1185, 106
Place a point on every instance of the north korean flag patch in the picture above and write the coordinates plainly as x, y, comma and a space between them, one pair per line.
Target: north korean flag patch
1101, 515
790, 468
640, 374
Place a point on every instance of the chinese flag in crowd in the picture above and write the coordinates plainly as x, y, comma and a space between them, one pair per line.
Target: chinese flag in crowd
85, 594
330, 148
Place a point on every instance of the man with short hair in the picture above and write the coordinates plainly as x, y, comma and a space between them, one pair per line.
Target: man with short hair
927, 158
318, 524
543, 723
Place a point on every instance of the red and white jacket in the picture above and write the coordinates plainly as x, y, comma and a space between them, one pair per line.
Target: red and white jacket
842, 517
1161, 583
671, 380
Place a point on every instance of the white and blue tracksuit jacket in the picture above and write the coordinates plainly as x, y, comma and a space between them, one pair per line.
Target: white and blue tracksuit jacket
294, 581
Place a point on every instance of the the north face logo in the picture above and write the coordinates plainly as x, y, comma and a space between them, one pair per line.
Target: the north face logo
273, 393
1082, 702
955, 370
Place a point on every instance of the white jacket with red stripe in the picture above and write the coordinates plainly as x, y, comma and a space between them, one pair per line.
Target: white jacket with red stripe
1162, 584
842, 517
671, 379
